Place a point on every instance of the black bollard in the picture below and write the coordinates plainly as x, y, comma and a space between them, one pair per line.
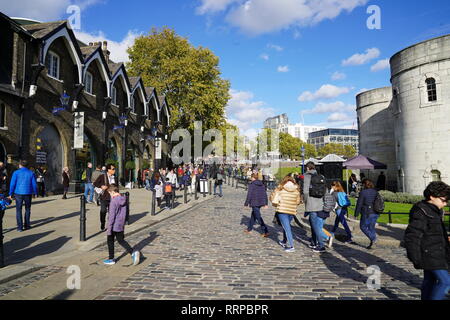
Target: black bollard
153, 212
127, 219
185, 194
2, 257
82, 218
196, 196
210, 187
237, 182
173, 198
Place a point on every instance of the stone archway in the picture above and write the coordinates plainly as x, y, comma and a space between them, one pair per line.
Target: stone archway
3, 154
50, 154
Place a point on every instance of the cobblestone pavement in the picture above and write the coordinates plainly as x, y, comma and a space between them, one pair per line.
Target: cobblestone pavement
204, 254
29, 279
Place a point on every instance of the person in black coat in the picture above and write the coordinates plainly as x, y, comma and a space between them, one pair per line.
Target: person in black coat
256, 199
364, 206
427, 241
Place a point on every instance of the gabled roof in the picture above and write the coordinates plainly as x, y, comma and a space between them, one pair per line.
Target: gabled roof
134, 81
15, 26
113, 67
332, 158
88, 51
41, 30
149, 91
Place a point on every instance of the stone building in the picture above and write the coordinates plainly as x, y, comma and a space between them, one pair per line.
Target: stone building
57, 93
418, 113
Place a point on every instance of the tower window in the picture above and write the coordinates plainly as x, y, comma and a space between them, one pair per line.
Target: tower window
89, 81
436, 176
2, 115
431, 89
52, 65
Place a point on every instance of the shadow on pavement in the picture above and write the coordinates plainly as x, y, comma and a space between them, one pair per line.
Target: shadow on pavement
140, 246
67, 216
352, 256
41, 249
136, 217
64, 295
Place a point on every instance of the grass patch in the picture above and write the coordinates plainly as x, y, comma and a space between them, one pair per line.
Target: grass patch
283, 172
392, 207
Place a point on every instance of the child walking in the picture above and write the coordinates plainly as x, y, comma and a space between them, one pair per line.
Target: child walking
116, 226
168, 192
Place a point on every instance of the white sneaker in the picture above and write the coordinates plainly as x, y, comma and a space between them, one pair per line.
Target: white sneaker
330, 241
136, 257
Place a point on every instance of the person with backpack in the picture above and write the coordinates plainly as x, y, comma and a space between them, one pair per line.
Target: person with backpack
286, 199
168, 193
342, 203
256, 199
218, 182
366, 207
116, 226
97, 173
102, 184
313, 194
427, 241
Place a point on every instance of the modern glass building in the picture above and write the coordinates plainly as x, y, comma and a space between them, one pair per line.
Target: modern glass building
340, 136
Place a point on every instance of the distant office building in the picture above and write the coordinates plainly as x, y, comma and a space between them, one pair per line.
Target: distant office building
340, 136
279, 123
301, 131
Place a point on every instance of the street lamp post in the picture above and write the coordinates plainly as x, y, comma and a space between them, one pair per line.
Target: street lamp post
154, 137
303, 159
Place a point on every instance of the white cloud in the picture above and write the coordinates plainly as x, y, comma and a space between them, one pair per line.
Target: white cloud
264, 16
362, 58
213, 6
244, 113
327, 91
339, 117
118, 49
275, 47
337, 106
264, 56
43, 10
338, 76
283, 69
380, 65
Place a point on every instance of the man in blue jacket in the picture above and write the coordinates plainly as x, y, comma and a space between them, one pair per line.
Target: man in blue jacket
23, 186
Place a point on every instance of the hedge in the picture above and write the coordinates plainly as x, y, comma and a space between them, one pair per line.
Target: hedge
400, 197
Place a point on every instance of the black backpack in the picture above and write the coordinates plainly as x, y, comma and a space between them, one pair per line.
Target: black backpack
378, 204
317, 188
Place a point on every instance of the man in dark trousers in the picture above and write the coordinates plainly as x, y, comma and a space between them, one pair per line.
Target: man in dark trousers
103, 182
427, 241
3, 177
23, 186
381, 182
256, 199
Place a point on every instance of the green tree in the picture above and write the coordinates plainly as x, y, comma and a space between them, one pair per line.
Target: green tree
189, 77
346, 151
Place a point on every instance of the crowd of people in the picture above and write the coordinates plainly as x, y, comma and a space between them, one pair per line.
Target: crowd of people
426, 238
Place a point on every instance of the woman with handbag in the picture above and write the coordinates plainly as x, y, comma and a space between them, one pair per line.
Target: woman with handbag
286, 199
66, 181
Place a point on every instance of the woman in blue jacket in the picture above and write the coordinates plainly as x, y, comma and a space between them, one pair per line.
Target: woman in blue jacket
364, 207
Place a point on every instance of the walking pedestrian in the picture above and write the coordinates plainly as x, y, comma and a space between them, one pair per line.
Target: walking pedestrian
381, 182
23, 186
97, 173
219, 182
427, 241
103, 182
365, 207
168, 193
342, 204
158, 185
313, 193
256, 199
40, 179
193, 183
3, 178
88, 186
286, 199
116, 226
66, 181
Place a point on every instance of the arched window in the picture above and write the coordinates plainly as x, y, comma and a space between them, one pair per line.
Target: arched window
431, 89
2, 115
89, 83
435, 176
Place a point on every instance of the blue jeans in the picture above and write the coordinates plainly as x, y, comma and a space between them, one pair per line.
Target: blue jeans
20, 199
220, 189
286, 220
340, 218
436, 284
256, 216
318, 236
89, 189
367, 225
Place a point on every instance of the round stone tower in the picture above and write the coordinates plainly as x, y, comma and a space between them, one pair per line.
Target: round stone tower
376, 131
421, 111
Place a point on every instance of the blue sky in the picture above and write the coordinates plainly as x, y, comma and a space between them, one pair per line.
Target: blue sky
283, 56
